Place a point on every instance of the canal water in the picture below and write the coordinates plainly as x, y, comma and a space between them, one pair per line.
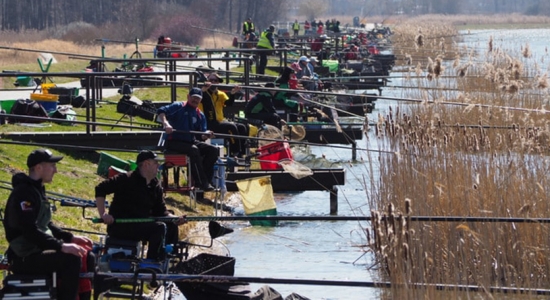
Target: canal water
333, 250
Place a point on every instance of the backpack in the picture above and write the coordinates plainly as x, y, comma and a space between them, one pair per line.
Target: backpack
65, 112
26, 107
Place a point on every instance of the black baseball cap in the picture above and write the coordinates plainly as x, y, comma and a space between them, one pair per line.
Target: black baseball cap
145, 155
41, 155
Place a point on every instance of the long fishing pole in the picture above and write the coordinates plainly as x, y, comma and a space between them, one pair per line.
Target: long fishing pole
48, 51
228, 279
461, 219
323, 282
95, 148
64, 199
213, 30
65, 146
86, 148
91, 203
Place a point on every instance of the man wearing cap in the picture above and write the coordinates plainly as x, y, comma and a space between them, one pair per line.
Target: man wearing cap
138, 194
266, 41
306, 74
185, 126
212, 105
36, 245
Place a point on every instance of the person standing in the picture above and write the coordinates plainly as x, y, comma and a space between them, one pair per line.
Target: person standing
138, 194
179, 120
320, 28
266, 41
307, 27
212, 105
36, 245
248, 28
296, 28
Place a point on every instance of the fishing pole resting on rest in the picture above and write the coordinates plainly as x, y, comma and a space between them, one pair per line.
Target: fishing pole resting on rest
158, 129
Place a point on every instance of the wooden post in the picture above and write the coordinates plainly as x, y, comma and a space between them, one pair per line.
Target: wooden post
334, 200
353, 150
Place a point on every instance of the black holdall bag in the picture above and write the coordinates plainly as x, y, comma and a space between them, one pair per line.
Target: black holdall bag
26, 107
65, 112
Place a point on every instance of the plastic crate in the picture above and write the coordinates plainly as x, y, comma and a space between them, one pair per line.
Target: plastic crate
271, 154
208, 264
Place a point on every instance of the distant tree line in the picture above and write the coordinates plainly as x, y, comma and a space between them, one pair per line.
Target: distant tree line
419, 7
138, 18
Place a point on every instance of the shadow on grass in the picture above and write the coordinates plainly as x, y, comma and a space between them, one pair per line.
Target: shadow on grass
179, 204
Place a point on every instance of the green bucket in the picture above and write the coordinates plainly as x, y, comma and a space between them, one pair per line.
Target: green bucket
24, 80
6, 105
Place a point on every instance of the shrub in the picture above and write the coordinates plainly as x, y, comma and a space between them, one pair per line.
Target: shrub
181, 28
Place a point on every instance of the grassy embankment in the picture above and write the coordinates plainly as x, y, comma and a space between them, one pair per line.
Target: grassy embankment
485, 155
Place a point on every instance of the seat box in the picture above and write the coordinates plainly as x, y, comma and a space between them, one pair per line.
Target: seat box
271, 154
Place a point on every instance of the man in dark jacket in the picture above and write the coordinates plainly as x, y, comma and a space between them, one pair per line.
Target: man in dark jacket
36, 245
260, 107
138, 194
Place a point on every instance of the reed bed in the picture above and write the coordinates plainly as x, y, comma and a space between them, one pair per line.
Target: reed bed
478, 150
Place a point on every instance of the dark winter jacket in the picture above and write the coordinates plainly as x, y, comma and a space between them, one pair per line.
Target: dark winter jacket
27, 220
133, 198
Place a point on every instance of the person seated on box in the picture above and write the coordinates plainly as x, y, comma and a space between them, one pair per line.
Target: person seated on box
212, 104
185, 126
36, 245
138, 194
261, 107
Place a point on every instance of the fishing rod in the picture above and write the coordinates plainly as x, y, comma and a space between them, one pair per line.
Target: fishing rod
65, 146
537, 110
48, 51
64, 199
213, 30
95, 148
56, 120
323, 282
86, 148
334, 218
224, 279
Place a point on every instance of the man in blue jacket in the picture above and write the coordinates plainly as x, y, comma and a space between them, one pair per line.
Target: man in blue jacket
185, 126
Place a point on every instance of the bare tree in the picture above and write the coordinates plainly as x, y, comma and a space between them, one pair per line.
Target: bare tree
312, 9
